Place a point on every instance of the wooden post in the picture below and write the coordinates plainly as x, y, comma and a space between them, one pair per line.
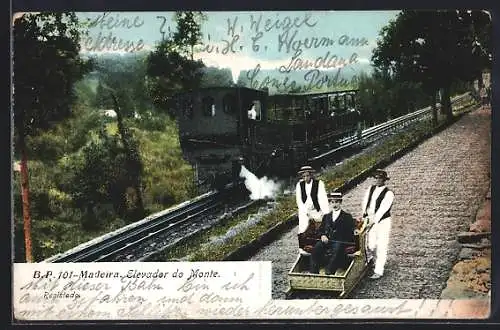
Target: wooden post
26, 207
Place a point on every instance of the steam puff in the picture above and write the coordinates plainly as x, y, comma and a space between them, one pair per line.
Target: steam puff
259, 188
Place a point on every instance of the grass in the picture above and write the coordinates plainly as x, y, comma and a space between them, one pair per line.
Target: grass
191, 247
56, 222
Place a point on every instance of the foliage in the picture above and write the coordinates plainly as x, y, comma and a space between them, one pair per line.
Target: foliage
215, 77
169, 69
382, 96
169, 72
435, 48
85, 90
168, 178
91, 171
188, 33
47, 64
125, 77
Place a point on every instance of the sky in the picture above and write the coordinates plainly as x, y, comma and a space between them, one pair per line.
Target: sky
292, 40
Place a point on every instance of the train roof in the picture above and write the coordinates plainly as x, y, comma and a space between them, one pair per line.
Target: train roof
303, 94
221, 88
318, 93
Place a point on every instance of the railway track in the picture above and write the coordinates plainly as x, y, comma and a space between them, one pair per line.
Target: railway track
374, 133
171, 221
107, 248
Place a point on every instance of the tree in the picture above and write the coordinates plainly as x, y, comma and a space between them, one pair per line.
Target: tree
168, 67
188, 32
215, 77
243, 80
47, 64
434, 48
125, 74
133, 163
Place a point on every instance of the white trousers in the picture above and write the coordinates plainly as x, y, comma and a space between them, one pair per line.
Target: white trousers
304, 217
378, 243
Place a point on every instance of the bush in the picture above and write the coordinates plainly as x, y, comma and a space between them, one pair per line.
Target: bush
46, 146
79, 128
382, 97
81, 185
152, 121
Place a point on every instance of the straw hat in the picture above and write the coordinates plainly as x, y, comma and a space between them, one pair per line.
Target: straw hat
380, 174
334, 196
306, 168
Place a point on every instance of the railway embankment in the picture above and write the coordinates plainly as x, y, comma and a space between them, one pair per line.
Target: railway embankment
470, 277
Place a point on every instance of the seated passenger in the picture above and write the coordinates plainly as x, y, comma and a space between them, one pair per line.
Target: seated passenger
335, 234
312, 204
252, 113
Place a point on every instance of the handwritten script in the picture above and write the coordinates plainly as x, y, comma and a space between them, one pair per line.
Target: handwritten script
126, 291
311, 57
287, 31
202, 290
105, 39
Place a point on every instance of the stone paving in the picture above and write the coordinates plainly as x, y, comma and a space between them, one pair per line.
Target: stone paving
438, 188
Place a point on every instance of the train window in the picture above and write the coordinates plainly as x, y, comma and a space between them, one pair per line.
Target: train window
208, 106
341, 102
334, 103
350, 101
256, 106
229, 103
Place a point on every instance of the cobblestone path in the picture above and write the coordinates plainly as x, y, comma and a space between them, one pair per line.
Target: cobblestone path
438, 188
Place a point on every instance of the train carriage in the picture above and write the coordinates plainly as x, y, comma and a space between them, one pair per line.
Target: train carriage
273, 133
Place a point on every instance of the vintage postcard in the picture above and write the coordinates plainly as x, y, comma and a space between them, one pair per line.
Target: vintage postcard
252, 165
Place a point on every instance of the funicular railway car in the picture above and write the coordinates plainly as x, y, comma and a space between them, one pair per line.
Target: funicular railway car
213, 127
273, 133
299, 127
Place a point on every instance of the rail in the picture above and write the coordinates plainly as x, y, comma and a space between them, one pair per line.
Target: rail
105, 247
377, 131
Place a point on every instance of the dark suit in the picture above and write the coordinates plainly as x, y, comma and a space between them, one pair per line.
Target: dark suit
339, 232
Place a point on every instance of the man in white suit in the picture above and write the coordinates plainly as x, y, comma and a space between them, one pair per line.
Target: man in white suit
377, 204
312, 204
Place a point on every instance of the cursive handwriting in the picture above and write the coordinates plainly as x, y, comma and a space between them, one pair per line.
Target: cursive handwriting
128, 292
287, 42
83, 285
317, 309
328, 61
109, 41
150, 310
267, 82
140, 285
190, 284
225, 311
105, 20
317, 80
237, 286
284, 24
42, 283
314, 79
